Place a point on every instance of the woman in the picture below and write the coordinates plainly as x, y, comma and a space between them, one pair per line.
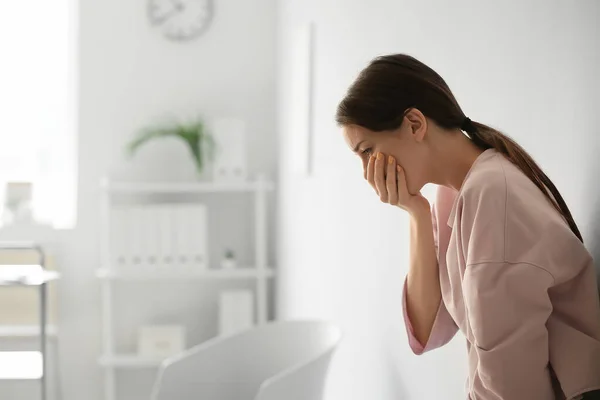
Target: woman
499, 256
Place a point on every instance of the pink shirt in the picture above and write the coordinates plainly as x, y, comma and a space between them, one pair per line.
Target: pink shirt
518, 284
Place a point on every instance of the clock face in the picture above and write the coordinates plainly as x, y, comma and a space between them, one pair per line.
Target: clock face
180, 20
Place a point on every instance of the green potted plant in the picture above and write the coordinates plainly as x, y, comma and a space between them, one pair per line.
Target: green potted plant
228, 261
198, 141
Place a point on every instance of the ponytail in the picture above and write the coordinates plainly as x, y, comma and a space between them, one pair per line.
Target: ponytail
485, 137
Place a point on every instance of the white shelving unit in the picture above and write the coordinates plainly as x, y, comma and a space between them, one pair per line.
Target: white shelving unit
109, 275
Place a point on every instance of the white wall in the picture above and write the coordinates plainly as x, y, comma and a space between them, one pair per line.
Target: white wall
129, 77
529, 68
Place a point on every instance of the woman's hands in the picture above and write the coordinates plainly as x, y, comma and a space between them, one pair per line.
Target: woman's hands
389, 181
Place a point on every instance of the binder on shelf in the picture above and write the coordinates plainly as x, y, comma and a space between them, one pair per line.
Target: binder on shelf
135, 239
181, 235
165, 227
190, 237
119, 244
148, 230
160, 238
199, 237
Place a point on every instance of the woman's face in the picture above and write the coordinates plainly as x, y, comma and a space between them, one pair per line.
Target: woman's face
405, 144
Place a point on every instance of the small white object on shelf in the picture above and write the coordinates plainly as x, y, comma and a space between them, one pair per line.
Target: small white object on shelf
161, 340
236, 311
17, 203
228, 262
20, 365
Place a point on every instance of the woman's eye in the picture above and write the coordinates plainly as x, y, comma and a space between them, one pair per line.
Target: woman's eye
366, 152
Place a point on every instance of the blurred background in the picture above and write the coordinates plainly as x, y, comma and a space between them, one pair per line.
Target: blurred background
179, 165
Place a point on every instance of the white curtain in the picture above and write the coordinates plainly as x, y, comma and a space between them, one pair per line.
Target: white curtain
37, 104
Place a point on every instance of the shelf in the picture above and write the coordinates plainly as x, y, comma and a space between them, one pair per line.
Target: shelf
185, 187
20, 365
240, 273
18, 331
130, 361
179, 272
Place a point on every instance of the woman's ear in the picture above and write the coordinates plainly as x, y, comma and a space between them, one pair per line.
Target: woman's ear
417, 123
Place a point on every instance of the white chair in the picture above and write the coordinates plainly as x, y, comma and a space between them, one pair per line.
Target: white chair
285, 360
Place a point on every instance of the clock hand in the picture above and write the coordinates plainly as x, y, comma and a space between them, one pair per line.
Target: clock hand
178, 5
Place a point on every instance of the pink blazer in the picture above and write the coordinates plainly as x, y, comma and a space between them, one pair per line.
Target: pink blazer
518, 284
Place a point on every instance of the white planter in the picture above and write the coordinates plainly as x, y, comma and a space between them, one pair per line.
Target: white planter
228, 263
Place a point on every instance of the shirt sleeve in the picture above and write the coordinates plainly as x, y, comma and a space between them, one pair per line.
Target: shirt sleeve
508, 306
444, 328
442, 332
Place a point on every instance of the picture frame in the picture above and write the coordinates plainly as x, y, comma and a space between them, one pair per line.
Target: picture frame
302, 96
236, 311
230, 159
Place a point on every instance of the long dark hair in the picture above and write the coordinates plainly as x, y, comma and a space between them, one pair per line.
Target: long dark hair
391, 85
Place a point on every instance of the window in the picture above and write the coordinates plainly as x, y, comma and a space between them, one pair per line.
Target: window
37, 105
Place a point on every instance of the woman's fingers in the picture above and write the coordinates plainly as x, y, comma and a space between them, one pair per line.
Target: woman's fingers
370, 173
402, 187
391, 181
380, 178
387, 178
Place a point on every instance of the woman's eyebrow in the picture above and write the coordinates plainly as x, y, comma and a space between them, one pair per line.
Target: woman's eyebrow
355, 149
